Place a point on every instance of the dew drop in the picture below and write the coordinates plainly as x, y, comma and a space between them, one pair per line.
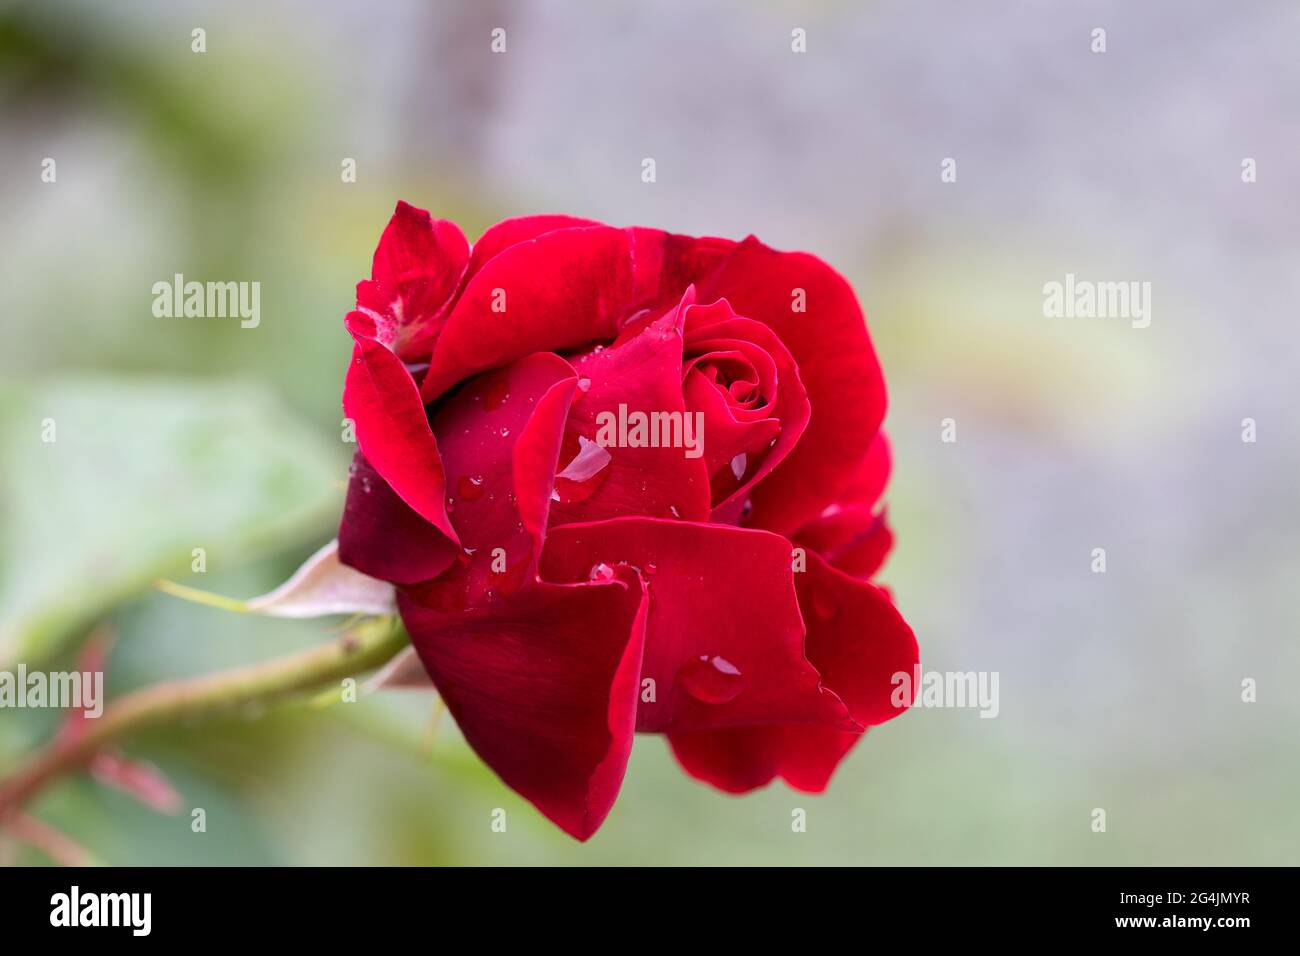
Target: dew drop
504, 432
738, 465
601, 572
584, 384
471, 489
711, 679
583, 475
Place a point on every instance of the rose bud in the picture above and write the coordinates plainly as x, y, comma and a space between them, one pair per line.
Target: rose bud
625, 481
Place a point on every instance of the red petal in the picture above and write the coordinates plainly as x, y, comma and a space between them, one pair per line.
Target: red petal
417, 266
665, 264
644, 373
854, 540
511, 232
544, 688
859, 642
851, 535
500, 435
382, 536
856, 638
393, 431
715, 327
741, 759
868, 480
715, 592
536, 457
563, 289
836, 362
559, 291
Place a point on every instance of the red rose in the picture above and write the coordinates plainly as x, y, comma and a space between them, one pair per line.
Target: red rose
625, 480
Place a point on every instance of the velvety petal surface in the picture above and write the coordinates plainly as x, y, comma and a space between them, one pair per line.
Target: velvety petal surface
544, 687
725, 640
511, 232
852, 534
858, 641
642, 373
500, 437
561, 289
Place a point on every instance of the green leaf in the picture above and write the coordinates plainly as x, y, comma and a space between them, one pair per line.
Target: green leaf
138, 474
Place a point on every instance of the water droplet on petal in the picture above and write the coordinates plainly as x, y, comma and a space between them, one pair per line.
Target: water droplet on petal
504, 432
738, 465
672, 509
471, 489
711, 679
584, 384
601, 572
584, 474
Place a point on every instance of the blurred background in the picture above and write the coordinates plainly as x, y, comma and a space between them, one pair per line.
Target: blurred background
1120, 690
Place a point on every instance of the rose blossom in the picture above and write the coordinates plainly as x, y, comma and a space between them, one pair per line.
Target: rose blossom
564, 592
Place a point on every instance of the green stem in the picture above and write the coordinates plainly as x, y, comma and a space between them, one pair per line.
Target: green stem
362, 649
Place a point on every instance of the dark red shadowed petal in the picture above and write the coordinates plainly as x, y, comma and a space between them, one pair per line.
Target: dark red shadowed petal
643, 373
721, 601
382, 536
836, 363
544, 687
859, 642
393, 433
416, 268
